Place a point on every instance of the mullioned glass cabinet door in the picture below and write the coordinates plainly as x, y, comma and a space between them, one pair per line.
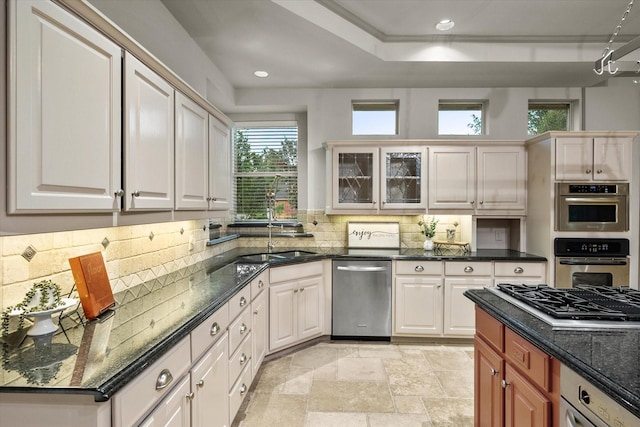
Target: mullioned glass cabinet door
402, 183
356, 183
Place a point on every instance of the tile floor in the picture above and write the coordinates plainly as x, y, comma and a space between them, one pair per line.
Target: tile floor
350, 384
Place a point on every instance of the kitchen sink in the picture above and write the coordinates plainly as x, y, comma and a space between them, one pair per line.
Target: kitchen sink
278, 256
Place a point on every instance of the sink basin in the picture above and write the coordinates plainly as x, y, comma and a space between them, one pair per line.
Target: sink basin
274, 256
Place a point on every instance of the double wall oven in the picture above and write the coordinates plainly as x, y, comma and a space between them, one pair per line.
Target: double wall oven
592, 207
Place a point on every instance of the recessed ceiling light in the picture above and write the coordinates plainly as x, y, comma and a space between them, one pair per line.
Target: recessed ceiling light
445, 24
261, 74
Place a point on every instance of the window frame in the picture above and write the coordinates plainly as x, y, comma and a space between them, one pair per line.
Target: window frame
483, 104
376, 106
569, 108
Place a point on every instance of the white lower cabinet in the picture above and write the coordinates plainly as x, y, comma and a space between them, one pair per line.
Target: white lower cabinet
459, 316
418, 298
296, 304
527, 273
173, 411
210, 386
259, 330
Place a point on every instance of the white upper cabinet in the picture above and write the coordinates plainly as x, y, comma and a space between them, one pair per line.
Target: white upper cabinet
452, 174
64, 113
593, 159
149, 139
219, 165
501, 178
192, 155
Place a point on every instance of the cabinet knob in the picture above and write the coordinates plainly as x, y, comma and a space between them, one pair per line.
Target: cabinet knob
119, 193
588, 171
190, 396
243, 359
482, 202
136, 193
243, 328
374, 203
164, 379
301, 289
468, 269
209, 199
243, 389
518, 270
473, 202
200, 383
419, 268
384, 202
599, 171
295, 291
215, 328
494, 372
260, 284
504, 384
243, 301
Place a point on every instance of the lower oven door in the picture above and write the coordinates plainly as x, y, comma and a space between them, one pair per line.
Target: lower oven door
571, 417
572, 271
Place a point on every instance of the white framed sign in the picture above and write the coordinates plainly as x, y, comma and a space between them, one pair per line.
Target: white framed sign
373, 235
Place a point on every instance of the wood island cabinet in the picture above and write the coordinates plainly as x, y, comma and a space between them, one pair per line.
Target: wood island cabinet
516, 384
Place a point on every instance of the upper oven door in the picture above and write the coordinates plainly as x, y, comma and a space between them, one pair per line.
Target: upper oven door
591, 213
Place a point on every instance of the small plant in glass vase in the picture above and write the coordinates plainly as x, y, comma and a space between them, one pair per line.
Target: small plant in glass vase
451, 232
428, 228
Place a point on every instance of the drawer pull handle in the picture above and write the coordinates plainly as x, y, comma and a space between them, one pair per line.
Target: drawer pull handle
419, 268
504, 384
260, 284
468, 269
494, 372
243, 301
190, 396
200, 383
243, 359
243, 389
164, 379
215, 328
243, 328
518, 270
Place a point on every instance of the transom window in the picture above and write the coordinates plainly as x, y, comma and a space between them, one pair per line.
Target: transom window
374, 117
263, 152
546, 116
461, 118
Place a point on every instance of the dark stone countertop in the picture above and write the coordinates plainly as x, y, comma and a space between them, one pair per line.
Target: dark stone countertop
608, 358
101, 357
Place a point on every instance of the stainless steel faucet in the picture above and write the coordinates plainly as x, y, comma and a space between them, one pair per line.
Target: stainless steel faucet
271, 210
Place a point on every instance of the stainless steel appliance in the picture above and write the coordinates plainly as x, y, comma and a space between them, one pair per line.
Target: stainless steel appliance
361, 299
584, 405
600, 262
592, 207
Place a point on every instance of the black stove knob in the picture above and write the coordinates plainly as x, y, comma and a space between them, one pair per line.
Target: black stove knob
584, 397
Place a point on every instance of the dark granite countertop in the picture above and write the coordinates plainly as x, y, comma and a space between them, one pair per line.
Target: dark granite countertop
101, 357
607, 358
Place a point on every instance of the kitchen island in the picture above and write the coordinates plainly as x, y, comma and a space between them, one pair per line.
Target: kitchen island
607, 358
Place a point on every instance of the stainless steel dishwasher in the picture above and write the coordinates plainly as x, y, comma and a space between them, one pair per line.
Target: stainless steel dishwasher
361, 299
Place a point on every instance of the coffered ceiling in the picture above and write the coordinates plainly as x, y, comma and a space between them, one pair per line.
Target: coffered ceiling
394, 43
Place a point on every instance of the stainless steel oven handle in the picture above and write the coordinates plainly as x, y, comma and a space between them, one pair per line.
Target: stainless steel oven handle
603, 200
593, 262
356, 268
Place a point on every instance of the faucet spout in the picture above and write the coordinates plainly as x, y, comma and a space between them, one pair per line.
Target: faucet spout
271, 209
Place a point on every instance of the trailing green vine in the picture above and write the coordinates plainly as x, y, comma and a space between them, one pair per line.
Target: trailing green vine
49, 298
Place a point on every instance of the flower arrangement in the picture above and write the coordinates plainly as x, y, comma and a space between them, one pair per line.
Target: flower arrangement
428, 226
43, 295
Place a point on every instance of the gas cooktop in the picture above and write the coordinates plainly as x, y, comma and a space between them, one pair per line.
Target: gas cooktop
581, 307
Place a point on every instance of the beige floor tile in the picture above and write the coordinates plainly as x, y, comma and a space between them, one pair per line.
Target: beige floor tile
350, 396
448, 360
457, 383
381, 351
361, 369
275, 410
399, 420
298, 381
328, 371
450, 412
314, 357
335, 419
409, 404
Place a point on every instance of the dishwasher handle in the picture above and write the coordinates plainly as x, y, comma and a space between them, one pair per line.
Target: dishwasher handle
360, 268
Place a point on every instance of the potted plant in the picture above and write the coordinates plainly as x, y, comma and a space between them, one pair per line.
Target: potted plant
428, 228
43, 295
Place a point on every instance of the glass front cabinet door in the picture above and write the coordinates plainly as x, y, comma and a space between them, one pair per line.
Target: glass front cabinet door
379, 178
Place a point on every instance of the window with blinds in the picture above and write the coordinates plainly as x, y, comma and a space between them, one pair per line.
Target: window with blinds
263, 151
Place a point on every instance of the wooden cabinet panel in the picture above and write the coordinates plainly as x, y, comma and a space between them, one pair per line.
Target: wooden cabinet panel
239, 359
459, 314
612, 159
205, 334
524, 405
239, 329
64, 151
310, 308
468, 268
501, 178
529, 359
422, 268
282, 316
489, 393
239, 391
593, 159
490, 329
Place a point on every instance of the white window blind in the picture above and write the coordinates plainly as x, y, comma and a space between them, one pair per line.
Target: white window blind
263, 151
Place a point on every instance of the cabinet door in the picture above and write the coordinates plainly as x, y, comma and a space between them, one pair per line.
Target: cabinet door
574, 159
310, 308
64, 87
418, 306
459, 314
192, 161
355, 178
174, 409
283, 323
524, 405
501, 178
149, 139
219, 165
489, 393
612, 159
403, 179
452, 174
210, 387
259, 328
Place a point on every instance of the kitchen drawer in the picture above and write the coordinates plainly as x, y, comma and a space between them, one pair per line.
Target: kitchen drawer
295, 272
239, 302
239, 329
259, 284
490, 329
465, 268
144, 391
517, 269
239, 359
208, 332
433, 268
529, 359
239, 391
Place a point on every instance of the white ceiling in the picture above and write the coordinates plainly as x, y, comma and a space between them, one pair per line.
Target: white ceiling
394, 43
